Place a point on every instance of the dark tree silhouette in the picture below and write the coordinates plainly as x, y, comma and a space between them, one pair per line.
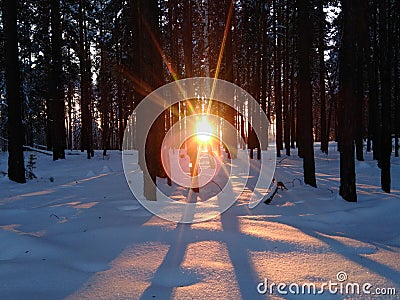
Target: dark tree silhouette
347, 105
56, 91
84, 61
16, 168
305, 91
278, 76
322, 71
385, 80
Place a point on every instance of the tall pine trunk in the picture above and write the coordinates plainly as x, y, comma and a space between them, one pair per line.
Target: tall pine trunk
347, 105
385, 80
286, 109
322, 91
56, 91
86, 130
16, 168
277, 77
187, 38
305, 91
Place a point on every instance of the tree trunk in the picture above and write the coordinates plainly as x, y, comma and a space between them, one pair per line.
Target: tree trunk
286, 111
151, 66
322, 92
86, 129
347, 105
361, 44
104, 89
385, 80
293, 94
229, 111
277, 76
373, 82
56, 88
16, 167
187, 37
396, 82
305, 91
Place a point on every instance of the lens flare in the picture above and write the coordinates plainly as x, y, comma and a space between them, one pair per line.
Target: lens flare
204, 130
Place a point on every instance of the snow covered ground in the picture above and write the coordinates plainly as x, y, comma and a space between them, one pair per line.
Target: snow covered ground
76, 232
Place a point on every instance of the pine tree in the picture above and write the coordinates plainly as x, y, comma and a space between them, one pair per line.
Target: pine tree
322, 71
56, 84
347, 105
385, 82
16, 167
305, 91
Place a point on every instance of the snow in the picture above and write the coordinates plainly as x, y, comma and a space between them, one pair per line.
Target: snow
82, 235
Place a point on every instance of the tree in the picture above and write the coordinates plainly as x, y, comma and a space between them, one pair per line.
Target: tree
278, 76
56, 92
187, 37
305, 91
85, 70
16, 168
347, 105
386, 96
286, 90
152, 77
322, 71
229, 112
396, 34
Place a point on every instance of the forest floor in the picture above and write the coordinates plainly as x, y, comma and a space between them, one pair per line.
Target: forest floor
76, 232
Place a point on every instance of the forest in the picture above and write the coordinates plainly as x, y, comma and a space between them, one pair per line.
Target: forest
72, 72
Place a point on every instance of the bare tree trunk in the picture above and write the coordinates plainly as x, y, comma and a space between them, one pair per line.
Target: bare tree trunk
347, 105
293, 94
56, 88
385, 80
16, 167
322, 92
151, 66
229, 111
397, 79
305, 91
286, 111
277, 76
86, 130
104, 90
187, 37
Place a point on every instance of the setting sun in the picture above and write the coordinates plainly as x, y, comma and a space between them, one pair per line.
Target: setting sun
204, 130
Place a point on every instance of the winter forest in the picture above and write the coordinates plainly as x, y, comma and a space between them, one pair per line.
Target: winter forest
323, 73
73, 71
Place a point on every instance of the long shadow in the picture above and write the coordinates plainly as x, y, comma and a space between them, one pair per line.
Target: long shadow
170, 266
238, 251
376, 267
348, 252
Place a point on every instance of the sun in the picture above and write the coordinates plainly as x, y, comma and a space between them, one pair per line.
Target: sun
204, 130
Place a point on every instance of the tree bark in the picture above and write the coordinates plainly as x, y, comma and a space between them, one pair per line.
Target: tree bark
16, 167
286, 110
187, 37
322, 91
347, 105
277, 76
86, 129
385, 80
305, 91
56, 88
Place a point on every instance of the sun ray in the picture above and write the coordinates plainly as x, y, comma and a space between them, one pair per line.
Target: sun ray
221, 54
